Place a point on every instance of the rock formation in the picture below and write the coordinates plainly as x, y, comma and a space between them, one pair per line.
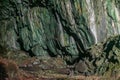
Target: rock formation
66, 28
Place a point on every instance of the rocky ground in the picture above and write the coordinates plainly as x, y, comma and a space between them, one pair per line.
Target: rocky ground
101, 62
42, 69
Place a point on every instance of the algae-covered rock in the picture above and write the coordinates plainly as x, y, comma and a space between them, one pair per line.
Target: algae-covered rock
66, 28
45, 28
105, 56
49, 27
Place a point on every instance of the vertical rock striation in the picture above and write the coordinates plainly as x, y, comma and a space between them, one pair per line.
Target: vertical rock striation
57, 27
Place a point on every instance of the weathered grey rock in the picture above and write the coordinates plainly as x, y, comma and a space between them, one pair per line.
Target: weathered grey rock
81, 67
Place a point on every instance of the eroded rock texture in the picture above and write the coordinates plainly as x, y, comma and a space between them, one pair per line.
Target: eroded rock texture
45, 27
65, 28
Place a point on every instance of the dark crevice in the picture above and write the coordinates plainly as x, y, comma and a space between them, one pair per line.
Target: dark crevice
31, 54
50, 53
3, 72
